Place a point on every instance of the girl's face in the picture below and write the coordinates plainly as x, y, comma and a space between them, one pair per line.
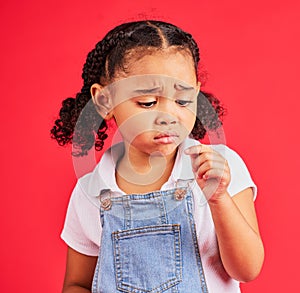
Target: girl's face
151, 122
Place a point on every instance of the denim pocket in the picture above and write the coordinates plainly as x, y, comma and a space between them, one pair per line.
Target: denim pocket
147, 259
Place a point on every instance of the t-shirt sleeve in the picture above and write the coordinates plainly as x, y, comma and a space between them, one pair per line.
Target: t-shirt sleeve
240, 176
82, 228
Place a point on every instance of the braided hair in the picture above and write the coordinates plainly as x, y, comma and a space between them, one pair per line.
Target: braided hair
102, 63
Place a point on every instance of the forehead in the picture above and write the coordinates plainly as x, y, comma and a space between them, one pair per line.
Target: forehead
173, 62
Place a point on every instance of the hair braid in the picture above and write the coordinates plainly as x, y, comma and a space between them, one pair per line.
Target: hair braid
74, 112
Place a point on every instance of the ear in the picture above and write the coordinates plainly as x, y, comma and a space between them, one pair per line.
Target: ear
198, 87
102, 101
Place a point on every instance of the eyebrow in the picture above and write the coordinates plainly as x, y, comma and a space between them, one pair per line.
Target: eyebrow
147, 91
182, 87
154, 90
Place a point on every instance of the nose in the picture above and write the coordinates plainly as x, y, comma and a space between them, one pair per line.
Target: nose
166, 112
164, 118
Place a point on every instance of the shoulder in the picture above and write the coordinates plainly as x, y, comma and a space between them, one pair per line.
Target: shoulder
81, 195
82, 227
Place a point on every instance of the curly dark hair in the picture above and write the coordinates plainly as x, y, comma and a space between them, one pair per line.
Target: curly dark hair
108, 56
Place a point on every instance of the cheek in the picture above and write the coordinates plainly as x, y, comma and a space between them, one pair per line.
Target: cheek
135, 124
188, 119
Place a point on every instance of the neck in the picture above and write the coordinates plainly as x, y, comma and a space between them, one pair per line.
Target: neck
141, 172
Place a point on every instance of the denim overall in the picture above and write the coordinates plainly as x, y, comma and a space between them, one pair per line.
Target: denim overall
149, 244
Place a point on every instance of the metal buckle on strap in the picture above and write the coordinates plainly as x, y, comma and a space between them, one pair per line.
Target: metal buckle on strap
180, 194
181, 186
105, 199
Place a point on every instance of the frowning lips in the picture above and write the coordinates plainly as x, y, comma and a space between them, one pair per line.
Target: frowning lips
166, 137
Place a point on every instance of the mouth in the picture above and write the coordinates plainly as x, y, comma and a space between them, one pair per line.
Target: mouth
166, 137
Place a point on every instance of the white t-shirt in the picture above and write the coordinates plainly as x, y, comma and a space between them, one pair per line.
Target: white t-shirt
82, 228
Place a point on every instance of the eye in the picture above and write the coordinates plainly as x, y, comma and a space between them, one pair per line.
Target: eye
147, 104
183, 103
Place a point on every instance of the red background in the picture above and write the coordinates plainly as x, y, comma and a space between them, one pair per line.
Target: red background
250, 50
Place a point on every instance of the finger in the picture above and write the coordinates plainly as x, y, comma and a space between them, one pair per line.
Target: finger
212, 156
209, 159
196, 162
209, 165
220, 174
197, 149
199, 159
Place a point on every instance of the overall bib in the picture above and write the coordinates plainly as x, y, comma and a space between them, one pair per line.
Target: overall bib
149, 244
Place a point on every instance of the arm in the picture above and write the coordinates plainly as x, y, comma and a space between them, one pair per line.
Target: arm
239, 241
79, 272
240, 245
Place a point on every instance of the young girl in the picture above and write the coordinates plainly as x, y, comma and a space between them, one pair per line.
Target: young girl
160, 212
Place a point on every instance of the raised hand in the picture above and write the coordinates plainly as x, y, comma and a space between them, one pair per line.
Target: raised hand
211, 171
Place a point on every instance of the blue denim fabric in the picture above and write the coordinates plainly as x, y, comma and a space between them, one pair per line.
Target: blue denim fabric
149, 244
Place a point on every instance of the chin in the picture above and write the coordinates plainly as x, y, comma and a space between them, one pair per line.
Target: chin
165, 151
